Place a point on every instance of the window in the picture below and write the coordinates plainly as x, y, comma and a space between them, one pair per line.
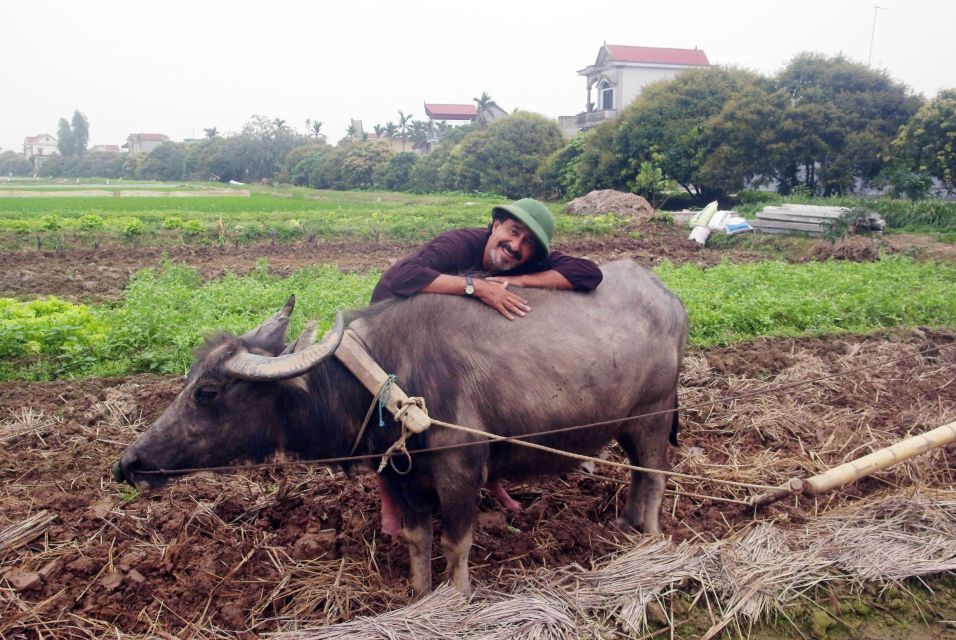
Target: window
607, 99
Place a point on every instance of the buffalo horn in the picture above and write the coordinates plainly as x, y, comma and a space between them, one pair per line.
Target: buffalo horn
274, 328
305, 339
251, 366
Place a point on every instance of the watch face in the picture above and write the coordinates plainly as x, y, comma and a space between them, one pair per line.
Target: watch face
469, 289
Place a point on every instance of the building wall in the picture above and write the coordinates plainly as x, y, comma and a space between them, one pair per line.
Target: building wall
634, 79
148, 145
45, 148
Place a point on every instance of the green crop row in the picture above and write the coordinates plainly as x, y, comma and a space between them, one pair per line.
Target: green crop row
166, 313
733, 303
282, 217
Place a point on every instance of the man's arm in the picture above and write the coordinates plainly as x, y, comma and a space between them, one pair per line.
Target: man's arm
550, 279
559, 271
495, 294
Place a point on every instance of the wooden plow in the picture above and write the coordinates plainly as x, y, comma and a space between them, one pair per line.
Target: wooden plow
861, 467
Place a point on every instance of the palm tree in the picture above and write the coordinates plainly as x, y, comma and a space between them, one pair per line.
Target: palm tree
419, 130
211, 132
279, 124
379, 130
316, 128
403, 122
390, 129
483, 103
351, 131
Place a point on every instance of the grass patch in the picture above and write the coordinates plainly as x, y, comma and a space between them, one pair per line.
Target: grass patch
282, 215
166, 313
733, 303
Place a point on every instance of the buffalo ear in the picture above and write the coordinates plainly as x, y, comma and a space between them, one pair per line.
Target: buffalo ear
270, 335
306, 338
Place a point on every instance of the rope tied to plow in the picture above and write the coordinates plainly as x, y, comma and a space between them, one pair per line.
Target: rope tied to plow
383, 393
400, 445
378, 399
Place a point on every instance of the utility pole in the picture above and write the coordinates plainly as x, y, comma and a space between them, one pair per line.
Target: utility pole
873, 32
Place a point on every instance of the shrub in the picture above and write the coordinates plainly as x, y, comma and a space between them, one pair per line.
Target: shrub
397, 175
505, 157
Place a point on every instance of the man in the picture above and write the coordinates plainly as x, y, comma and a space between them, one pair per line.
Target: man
515, 250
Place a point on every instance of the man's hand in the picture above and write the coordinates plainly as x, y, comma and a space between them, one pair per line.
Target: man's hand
550, 279
495, 294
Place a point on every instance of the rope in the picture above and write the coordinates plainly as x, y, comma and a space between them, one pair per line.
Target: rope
583, 458
377, 398
518, 439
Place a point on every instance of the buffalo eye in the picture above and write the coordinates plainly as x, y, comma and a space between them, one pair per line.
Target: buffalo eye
205, 395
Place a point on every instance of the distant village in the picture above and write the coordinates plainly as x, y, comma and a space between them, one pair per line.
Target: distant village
613, 81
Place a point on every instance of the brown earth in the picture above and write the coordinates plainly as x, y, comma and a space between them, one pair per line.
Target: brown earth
84, 274
243, 553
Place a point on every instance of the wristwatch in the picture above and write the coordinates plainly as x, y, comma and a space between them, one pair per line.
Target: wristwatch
469, 285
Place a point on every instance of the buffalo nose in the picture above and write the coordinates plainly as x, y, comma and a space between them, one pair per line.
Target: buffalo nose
125, 467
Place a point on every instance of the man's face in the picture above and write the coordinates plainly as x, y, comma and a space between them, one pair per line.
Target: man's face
511, 245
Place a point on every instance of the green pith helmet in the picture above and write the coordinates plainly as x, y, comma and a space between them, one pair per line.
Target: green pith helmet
533, 215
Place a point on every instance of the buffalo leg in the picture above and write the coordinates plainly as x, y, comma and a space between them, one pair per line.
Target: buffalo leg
418, 533
646, 445
458, 496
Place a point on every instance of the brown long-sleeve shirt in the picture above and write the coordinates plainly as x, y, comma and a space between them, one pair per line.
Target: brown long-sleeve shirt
461, 251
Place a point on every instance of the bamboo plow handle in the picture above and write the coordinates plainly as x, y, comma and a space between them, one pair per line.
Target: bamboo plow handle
881, 459
357, 360
861, 467
790, 487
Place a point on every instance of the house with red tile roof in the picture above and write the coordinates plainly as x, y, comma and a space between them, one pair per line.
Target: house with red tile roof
619, 75
108, 148
144, 142
38, 148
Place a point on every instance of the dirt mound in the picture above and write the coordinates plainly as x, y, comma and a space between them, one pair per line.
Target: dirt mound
611, 201
852, 248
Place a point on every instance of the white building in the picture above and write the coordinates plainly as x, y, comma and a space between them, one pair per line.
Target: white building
144, 142
619, 75
38, 148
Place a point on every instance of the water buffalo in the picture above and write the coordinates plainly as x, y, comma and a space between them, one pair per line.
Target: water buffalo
576, 358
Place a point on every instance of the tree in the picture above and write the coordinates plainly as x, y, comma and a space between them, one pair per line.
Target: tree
396, 176
316, 128
390, 129
403, 123
927, 143
505, 157
165, 162
418, 130
65, 142
482, 103
839, 121
15, 164
362, 162
81, 133
211, 132
681, 127
379, 130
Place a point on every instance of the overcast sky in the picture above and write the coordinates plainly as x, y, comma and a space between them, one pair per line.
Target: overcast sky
177, 67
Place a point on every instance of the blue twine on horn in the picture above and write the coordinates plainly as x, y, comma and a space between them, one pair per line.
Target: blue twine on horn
383, 394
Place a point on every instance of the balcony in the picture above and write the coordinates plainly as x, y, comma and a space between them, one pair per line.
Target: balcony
586, 119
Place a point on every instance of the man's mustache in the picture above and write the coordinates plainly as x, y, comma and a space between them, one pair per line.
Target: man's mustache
504, 247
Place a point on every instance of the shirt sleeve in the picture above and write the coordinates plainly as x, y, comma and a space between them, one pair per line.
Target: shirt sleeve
448, 253
583, 274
